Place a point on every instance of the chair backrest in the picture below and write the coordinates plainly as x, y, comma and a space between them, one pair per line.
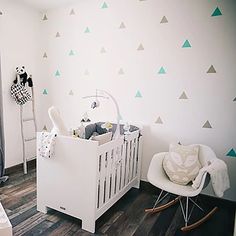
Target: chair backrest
206, 154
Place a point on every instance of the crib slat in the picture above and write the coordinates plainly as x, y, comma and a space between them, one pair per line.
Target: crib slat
102, 180
131, 160
108, 171
123, 165
135, 158
118, 166
112, 174
127, 163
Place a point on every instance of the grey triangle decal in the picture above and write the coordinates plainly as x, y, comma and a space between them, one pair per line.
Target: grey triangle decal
71, 93
211, 69
140, 47
58, 35
45, 55
207, 125
159, 120
121, 71
72, 12
103, 50
164, 20
86, 72
45, 17
45, 128
183, 96
234, 99
122, 25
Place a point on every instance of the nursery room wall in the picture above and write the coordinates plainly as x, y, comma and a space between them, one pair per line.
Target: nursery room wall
19, 45
170, 64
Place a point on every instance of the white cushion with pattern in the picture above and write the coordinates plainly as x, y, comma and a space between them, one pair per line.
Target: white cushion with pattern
181, 164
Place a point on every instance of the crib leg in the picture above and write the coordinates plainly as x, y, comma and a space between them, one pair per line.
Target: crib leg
137, 185
88, 225
42, 208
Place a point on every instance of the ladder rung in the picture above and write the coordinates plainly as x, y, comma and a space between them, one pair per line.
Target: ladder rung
28, 119
30, 139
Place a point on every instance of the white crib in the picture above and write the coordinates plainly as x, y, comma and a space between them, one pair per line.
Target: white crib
84, 179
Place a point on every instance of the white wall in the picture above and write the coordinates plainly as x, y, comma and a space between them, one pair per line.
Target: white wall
210, 95
19, 45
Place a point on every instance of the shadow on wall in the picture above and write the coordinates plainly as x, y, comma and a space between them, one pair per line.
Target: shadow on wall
151, 143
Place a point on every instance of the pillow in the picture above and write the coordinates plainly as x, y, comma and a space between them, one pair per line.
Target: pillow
103, 138
181, 164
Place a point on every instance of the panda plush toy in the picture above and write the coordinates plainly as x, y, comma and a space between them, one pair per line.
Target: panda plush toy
23, 77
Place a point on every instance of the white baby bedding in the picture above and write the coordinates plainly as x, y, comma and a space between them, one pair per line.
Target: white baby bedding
47, 146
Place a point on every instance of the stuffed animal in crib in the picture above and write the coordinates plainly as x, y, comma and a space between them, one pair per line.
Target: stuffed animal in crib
24, 78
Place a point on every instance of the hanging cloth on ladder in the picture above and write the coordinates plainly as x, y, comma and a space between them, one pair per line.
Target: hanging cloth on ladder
20, 94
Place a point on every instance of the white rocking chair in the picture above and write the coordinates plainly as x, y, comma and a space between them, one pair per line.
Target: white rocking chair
157, 177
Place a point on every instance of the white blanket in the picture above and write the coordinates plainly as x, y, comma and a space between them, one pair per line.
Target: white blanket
219, 176
47, 146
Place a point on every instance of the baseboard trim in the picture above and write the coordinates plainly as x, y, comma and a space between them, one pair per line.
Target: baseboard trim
30, 165
146, 186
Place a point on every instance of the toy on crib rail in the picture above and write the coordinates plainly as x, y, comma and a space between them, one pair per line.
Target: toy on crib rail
58, 124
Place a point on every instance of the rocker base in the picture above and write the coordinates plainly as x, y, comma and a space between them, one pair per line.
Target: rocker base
199, 222
163, 207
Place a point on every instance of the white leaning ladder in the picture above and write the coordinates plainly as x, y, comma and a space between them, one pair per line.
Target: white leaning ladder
24, 120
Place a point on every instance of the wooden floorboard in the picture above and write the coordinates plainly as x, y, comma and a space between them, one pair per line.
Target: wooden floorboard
125, 218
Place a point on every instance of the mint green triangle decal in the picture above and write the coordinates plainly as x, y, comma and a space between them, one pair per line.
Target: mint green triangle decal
217, 12
186, 44
231, 153
71, 53
104, 5
162, 71
45, 92
138, 94
87, 30
57, 73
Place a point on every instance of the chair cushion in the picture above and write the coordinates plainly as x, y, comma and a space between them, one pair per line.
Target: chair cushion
182, 164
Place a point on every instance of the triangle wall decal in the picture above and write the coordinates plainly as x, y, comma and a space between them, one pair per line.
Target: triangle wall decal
216, 12
234, 99
102, 50
211, 69
122, 25
231, 153
45, 17
45, 55
186, 44
183, 96
58, 35
162, 71
45, 128
86, 72
138, 94
45, 92
71, 53
72, 12
164, 20
159, 120
71, 93
207, 125
121, 71
104, 5
57, 73
140, 47
87, 30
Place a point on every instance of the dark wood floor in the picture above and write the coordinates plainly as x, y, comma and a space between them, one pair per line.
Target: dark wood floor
126, 217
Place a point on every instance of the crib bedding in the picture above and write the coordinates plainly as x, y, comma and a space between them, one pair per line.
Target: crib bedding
96, 127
